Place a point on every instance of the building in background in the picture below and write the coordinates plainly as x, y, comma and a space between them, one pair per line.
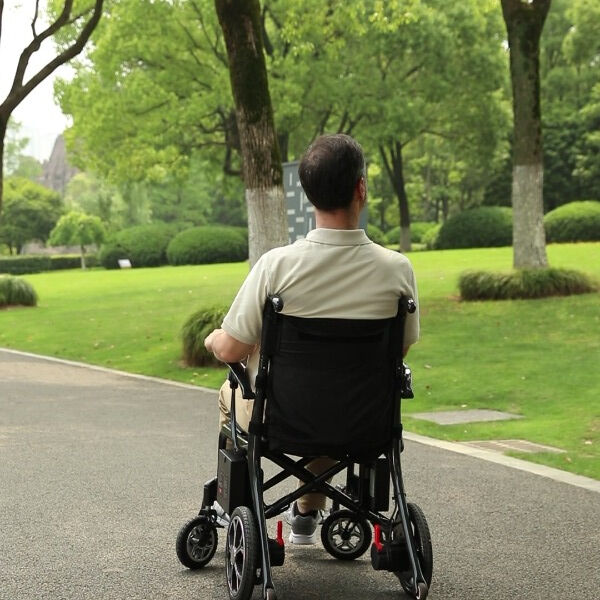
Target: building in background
57, 170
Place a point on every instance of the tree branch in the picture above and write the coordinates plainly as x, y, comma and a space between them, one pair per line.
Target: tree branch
214, 46
1, 13
35, 16
19, 91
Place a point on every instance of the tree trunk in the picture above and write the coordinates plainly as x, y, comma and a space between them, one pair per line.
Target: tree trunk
395, 170
524, 24
3, 126
263, 177
82, 248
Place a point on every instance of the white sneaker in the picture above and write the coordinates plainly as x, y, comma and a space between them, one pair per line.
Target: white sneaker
304, 527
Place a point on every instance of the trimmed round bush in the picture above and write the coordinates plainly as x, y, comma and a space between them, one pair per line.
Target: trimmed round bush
417, 231
193, 332
524, 283
143, 245
482, 227
430, 237
207, 245
16, 292
574, 222
375, 234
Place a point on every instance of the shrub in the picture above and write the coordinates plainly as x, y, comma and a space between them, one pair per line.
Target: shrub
525, 283
193, 332
417, 231
477, 228
574, 222
16, 292
206, 245
71, 261
143, 245
375, 234
19, 265
430, 237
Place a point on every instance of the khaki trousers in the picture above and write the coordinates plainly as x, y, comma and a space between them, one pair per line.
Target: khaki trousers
243, 414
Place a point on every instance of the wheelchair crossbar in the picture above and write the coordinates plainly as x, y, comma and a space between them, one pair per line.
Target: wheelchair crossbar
282, 476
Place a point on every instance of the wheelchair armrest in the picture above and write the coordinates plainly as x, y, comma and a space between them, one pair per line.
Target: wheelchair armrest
238, 376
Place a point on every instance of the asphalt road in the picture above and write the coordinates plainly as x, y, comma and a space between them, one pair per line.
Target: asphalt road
98, 471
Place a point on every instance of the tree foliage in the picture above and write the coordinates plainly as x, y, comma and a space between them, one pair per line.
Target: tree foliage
30, 212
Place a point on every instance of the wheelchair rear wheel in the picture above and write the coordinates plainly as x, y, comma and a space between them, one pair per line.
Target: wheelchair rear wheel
424, 549
196, 543
241, 553
345, 535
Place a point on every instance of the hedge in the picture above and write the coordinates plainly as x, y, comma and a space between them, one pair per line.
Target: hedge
143, 245
207, 245
16, 292
477, 228
194, 330
375, 234
574, 222
524, 284
430, 237
417, 230
21, 265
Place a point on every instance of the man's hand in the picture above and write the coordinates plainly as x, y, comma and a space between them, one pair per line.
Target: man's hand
226, 348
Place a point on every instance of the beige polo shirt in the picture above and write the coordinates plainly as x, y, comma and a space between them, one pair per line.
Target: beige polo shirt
332, 273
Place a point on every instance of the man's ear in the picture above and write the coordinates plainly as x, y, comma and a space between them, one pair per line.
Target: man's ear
361, 187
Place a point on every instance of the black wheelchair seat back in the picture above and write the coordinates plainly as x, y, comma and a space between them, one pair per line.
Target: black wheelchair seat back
331, 387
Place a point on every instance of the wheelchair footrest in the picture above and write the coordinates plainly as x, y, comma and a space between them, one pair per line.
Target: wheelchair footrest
277, 547
388, 555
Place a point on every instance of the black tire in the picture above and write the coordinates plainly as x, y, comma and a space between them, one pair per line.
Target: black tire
424, 549
345, 535
196, 543
241, 553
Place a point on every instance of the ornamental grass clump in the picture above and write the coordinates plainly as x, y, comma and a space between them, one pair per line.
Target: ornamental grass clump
193, 332
524, 284
16, 292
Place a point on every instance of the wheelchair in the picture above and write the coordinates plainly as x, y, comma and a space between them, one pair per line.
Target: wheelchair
324, 387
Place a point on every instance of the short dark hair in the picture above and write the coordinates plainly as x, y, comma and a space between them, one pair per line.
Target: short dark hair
330, 170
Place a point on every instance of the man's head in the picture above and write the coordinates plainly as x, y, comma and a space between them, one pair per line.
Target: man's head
331, 170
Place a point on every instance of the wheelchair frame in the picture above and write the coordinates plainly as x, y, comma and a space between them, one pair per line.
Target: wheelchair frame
397, 546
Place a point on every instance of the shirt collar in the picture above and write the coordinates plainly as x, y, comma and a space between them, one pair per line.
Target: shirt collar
338, 237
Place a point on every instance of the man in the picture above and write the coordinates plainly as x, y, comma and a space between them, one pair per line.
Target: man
335, 272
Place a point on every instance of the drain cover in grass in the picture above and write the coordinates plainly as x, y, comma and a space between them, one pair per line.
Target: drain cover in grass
453, 417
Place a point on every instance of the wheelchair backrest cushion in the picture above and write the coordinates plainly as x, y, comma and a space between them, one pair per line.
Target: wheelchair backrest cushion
331, 387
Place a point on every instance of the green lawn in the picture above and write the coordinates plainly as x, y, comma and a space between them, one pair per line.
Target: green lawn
537, 358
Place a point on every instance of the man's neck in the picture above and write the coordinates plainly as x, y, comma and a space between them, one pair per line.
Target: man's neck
337, 219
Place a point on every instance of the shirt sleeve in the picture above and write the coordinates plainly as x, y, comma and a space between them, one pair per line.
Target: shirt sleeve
244, 319
411, 325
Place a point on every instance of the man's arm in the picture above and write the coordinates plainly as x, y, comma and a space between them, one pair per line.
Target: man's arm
226, 348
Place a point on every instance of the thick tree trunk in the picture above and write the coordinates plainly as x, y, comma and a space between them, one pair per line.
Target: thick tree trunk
524, 24
395, 169
263, 178
82, 249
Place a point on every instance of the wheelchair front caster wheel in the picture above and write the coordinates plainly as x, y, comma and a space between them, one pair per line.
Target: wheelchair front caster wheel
241, 553
345, 535
196, 543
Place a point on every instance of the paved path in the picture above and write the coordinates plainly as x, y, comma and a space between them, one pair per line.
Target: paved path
98, 471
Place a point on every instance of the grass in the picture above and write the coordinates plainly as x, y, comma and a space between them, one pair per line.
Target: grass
537, 358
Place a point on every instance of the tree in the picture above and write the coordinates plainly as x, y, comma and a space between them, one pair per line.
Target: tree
263, 178
30, 212
524, 24
76, 24
79, 229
